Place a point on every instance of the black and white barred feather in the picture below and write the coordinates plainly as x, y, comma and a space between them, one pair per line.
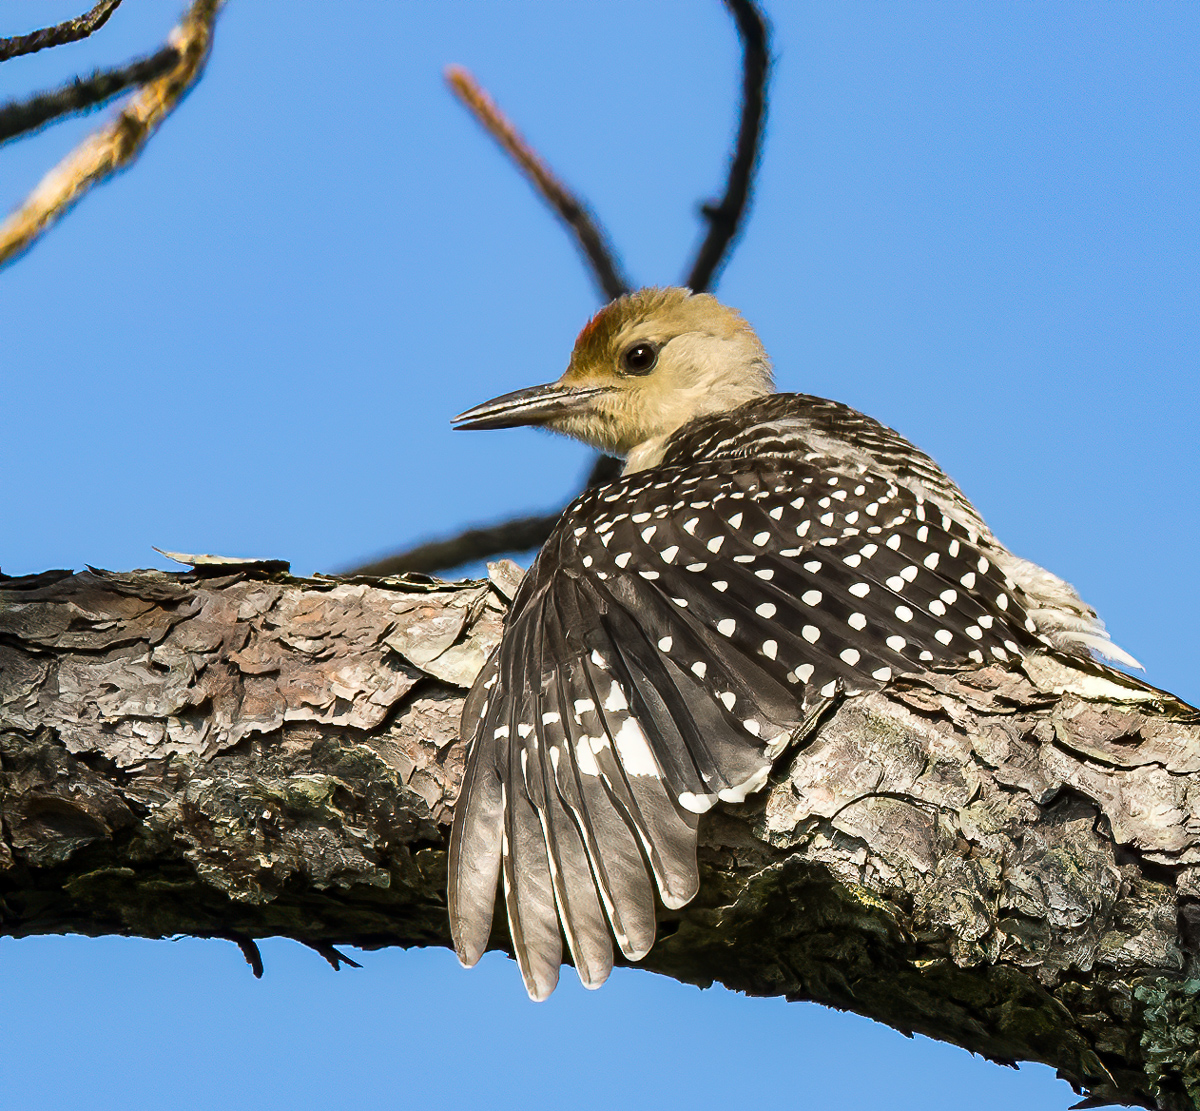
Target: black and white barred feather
676, 632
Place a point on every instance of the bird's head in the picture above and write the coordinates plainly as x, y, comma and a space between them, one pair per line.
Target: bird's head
643, 366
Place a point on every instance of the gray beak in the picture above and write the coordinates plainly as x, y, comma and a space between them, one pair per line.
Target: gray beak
536, 405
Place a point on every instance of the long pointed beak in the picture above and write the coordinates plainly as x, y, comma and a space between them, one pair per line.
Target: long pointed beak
536, 405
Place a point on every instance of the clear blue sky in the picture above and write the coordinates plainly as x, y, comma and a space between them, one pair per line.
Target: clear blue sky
976, 221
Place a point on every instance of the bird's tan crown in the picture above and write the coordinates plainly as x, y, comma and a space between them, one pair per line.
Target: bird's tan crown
707, 360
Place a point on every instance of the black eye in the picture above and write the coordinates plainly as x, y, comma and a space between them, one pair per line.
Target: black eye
640, 358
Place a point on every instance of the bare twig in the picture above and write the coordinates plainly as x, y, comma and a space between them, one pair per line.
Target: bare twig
725, 218
250, 951
118, 143
518, 535
332, 955
521, 534
71, 31
21, 117
592, 240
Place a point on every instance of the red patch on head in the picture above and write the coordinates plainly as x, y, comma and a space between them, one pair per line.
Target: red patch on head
592, 327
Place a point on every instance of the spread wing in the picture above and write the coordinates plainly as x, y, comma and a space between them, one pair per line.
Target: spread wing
675, 633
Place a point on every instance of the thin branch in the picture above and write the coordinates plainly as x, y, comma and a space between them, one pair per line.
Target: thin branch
332, 955
118, 143
725, 218
520, 534
71, 31
589, 236
21, 117
250, 951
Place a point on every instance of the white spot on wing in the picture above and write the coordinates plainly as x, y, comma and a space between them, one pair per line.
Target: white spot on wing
739, 791
616, 699
697, 804
584, 758
634, 750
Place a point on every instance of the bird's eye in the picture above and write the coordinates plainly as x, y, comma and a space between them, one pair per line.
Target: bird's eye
640, 358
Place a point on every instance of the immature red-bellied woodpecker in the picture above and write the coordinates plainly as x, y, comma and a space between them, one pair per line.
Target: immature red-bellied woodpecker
761, 556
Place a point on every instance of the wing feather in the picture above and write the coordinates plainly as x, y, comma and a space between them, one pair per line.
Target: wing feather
679, 627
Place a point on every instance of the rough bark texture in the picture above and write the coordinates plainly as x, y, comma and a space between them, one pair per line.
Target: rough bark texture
1007, 860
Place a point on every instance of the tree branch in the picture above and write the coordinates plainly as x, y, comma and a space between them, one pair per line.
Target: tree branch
71, 31
589, 236
725, 218
117, 144
21, 117
518, 534
1007, 859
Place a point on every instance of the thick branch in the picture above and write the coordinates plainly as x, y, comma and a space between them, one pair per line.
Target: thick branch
726, 217
1007, 860
117, 144
72, 30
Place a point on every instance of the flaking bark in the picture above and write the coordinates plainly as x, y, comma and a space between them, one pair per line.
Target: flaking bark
1008, 859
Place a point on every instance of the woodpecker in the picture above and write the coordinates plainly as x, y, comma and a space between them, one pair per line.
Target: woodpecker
761, 557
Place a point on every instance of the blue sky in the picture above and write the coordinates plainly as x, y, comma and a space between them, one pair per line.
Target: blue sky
975, 221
